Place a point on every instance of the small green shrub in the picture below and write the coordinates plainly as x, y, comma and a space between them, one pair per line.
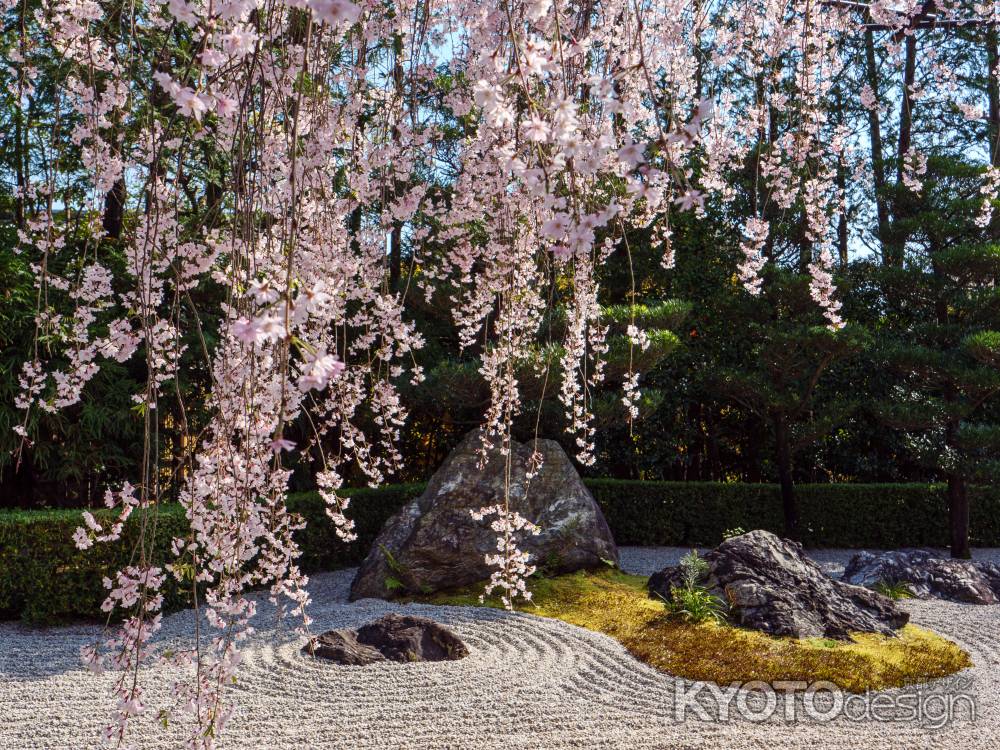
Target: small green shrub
692, 602
895, 590
693, 568
696, 604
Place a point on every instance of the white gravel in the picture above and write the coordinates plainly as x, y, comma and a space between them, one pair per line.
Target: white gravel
528, 683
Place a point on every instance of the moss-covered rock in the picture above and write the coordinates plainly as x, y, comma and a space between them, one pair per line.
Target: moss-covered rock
616, 604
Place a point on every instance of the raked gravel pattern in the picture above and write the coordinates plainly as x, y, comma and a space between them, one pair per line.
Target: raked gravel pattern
528, 683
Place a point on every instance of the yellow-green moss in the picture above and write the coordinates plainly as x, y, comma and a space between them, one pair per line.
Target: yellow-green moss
616, 604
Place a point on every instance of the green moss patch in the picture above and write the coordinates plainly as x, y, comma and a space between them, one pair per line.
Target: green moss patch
616, 604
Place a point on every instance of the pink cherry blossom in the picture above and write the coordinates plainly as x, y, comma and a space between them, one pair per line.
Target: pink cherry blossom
319, 370
190, 103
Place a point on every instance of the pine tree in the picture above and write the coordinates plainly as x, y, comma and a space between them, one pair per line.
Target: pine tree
790, 353
944, 346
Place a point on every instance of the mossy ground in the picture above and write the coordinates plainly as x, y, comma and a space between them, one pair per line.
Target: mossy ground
616, 604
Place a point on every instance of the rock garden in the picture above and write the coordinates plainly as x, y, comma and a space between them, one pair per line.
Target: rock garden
603, 654
481, 374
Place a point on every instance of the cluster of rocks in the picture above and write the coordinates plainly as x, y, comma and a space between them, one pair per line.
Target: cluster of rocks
435, 543
770, 585
767, 583
927, 575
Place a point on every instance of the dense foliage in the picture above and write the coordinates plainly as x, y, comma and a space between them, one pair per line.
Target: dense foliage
879, 516
44, 578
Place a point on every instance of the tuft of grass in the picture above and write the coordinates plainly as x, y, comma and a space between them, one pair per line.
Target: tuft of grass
616, 604
895, 590
692, 601
696, 604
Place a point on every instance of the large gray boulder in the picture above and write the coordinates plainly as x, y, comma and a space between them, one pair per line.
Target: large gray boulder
394, 637
928, 575
434, 543
770, 585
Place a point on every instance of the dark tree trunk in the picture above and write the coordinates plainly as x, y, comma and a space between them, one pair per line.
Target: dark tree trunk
20, 148
354, 228
875, 137
395, 256
897, 247
842, 227
712, 446
754, 166
114, 210
398, 186
751, 449
695, 446
789, 505
805, 252
958, 512
906, 105
993, 90
21, 138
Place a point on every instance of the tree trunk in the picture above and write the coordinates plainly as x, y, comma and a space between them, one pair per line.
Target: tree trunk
958, 512
398, 186
842, 223
789, 505
906, 105
695, 446
712, 446
805, 251
21, 137
354, 229
993, 91
875, 137
897, 247
20, 148
751, 452
114, 210
395, 256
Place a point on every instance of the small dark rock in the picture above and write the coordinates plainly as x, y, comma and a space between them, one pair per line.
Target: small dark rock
394, 637
773, 587
927, 575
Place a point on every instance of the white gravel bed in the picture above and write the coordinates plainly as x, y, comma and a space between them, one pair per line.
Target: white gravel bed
528, 683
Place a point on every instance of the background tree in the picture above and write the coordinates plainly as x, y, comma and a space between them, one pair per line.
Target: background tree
779, 380
945, 355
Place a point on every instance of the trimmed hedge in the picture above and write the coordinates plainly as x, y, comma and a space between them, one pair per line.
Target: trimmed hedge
881, 516
44, 578
369, 509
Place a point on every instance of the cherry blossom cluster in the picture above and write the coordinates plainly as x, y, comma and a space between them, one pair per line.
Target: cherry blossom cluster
512, 566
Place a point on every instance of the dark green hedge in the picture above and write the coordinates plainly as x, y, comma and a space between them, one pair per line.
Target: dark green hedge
44, 578
833, 515
322, 549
